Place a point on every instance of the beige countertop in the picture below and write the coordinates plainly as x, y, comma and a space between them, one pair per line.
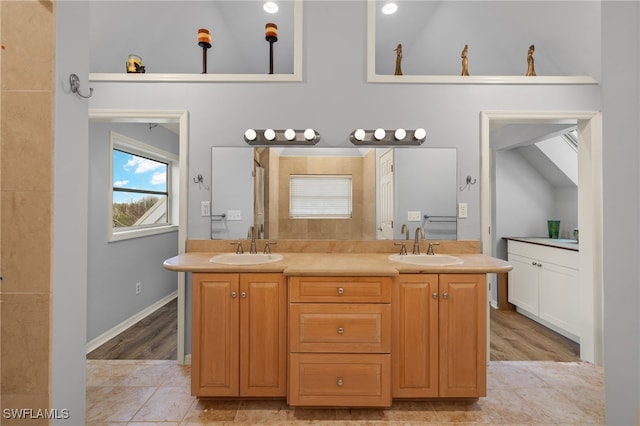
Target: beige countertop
334, 264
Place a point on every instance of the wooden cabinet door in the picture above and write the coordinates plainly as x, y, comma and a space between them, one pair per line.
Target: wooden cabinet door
263, 334
415, 336
214, 348
462, 331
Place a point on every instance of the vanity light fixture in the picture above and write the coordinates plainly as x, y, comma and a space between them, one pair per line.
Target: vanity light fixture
389, 8
388, 137
281, 137
270, 7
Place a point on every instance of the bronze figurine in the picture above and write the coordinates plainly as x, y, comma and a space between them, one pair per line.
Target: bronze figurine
398, 51
465, 61
530, 69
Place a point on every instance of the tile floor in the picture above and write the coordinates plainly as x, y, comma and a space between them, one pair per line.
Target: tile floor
519, 392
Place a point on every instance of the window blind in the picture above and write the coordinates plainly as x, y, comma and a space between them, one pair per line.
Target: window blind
320, 196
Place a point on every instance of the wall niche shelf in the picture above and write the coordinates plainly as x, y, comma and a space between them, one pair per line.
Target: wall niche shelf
372, 77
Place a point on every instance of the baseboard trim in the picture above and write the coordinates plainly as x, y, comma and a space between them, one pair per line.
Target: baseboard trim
113, 332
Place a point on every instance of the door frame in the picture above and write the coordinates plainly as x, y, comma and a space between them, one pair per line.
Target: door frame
590, 205
181, 118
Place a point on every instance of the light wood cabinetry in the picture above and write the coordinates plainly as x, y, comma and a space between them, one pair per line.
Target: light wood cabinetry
239, 335
439, 335
340, 341
544, 282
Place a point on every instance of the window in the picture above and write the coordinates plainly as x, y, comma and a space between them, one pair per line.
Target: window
320, 196
142, 201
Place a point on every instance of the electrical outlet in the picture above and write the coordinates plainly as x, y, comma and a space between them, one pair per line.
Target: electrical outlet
462, 210
138, 287
414, 216
234, 215
205, 208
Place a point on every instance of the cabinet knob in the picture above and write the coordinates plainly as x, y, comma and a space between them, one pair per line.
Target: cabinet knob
234, 294
539, 265
243, 295
534, 263
435, 295
340, 290
340, 330
445, 295
339, 382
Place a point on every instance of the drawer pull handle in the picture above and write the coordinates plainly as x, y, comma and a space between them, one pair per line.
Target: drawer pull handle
340, 290
340, 330
435, 295
446, 295
234, 294
340, 382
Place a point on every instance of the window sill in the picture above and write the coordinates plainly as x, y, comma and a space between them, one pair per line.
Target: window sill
481, 79
137, 233
193, 78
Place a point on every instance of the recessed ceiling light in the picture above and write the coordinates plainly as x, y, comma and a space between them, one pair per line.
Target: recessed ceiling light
389, 8
270, 7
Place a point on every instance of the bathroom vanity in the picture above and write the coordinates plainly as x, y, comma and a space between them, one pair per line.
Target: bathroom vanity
335, 324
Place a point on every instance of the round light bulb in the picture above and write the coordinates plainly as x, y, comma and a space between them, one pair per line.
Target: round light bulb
269, 134
290, 134
379, 134
400, 134
270, 7
250, 135
309, 134
359, 134
389, 8
420, 134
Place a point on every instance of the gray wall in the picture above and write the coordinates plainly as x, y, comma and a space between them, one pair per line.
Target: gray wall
335, 100
621, 209
70, 216
115, 267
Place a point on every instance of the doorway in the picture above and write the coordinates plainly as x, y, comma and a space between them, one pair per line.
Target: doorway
177, 121
589, 136
386, 196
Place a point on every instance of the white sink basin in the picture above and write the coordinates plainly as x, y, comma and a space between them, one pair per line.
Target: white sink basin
427, 260
245, 258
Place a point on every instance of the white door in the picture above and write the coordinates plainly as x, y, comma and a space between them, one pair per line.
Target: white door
385, 196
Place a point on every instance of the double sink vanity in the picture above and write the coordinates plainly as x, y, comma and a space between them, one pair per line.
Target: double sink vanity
338, 323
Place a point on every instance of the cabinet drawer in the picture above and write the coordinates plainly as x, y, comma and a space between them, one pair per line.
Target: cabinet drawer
334, 327
340, 289
340, 380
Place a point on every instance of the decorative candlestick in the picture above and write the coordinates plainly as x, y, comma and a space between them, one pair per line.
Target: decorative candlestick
204, 41
271, 35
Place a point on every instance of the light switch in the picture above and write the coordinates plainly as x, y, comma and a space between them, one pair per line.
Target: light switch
414, 216
205, 208
462, 210
234, 215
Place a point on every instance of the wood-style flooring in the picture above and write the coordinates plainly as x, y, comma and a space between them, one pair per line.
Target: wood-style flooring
153, 337
514, 337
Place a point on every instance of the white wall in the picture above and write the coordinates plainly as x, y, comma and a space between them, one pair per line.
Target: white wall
115, 267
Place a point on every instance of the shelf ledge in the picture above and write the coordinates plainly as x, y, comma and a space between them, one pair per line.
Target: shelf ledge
191, 78
481, 79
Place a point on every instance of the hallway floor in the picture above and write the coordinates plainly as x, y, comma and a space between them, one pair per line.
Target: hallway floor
137, 392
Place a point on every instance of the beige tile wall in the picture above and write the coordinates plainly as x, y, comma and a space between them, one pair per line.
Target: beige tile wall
27, 35
363, 191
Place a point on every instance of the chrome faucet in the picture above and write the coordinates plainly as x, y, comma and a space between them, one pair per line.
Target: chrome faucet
252, 235
416, 243
405, 230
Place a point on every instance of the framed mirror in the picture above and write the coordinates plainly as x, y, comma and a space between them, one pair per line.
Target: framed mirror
387, 188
